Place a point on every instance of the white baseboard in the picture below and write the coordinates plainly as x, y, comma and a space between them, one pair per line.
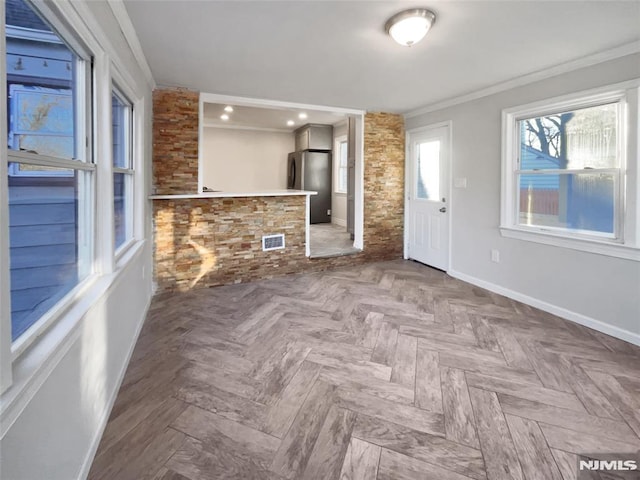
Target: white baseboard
95, 442
572, 316
339, 221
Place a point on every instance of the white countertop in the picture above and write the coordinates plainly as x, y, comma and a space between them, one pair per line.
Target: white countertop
263, 193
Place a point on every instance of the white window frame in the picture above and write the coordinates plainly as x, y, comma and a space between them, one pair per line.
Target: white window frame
23, 371
338, 143
624, 243
129, 171
86, 169
86, 208
6, 373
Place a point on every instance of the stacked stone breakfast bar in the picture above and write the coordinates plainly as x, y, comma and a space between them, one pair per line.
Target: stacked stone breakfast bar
215, 238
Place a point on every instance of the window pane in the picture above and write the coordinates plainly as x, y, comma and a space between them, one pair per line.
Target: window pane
120, 119
582, 201
120, 207
40, 86
344, 150
45, 252
343, 179
583, 138
342, 169
428, 171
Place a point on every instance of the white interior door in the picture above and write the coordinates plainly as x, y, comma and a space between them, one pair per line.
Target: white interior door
428, 196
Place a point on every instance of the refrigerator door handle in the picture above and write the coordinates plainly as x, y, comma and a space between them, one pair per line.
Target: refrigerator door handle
292, 175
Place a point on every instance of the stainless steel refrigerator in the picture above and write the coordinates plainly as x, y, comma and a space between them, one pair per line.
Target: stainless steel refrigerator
311, 170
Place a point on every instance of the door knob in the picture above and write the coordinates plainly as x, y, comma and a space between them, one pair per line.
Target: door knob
443, 209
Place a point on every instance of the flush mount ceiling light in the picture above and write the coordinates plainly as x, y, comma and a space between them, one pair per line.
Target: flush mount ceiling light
302, 115
410, 26
228, 109
290, 123
224, 117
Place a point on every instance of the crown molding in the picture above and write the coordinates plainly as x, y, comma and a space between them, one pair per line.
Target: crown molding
130, 35
594, 59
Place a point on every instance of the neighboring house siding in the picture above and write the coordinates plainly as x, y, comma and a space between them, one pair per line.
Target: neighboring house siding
42, 219
42, 209
19, 14
580, 201
532, 159
538, 193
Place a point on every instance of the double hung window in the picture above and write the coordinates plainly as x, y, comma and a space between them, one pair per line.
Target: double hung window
569, 171
51, 176
123, 173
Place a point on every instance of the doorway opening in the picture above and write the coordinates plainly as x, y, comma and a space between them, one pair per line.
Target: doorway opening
255, 145
335, 236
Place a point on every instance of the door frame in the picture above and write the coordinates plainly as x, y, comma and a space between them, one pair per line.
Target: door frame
448, 124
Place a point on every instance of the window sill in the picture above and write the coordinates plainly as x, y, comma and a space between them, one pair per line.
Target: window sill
592, 246
122, 251
33, 366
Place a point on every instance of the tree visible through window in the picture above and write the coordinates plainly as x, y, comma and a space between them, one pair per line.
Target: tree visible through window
569, 170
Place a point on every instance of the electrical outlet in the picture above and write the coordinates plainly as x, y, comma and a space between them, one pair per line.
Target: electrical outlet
495, 256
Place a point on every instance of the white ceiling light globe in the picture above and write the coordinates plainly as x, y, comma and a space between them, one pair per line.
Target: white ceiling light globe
409, 27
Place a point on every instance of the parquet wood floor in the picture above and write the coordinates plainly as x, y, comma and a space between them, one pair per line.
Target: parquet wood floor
390, 371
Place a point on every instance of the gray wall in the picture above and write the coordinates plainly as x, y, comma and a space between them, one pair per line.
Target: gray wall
586, 285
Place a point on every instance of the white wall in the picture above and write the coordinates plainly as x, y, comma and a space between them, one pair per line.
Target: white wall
56, 435
598, 290
338, 200
245, 160
66, 386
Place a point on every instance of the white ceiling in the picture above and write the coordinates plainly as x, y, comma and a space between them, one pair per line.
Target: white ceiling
336, 53
266, 118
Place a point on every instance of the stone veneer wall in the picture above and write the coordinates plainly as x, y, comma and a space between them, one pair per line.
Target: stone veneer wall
383, 186
175, 141
217, 241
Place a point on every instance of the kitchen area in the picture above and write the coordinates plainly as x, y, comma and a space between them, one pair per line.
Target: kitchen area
223, 209
250, 148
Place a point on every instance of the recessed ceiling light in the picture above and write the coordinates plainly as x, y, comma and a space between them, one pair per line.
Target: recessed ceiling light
302, 115
224, 117
410, 26
290, 123
228, 109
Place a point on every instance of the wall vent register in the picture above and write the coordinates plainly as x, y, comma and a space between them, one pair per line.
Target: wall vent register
272, 242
